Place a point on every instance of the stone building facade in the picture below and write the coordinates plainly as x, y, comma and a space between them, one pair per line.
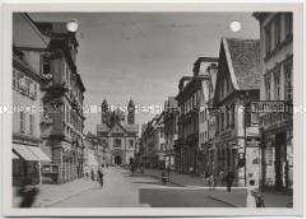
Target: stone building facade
276, 62
170, 130
208, 68
191, 88
28, 156
237, 130
63, 120
119, 133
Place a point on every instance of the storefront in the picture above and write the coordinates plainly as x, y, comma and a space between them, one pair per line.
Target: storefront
277, 150
27, 163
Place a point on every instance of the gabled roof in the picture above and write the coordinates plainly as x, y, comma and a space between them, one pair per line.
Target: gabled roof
26, 34
243, 62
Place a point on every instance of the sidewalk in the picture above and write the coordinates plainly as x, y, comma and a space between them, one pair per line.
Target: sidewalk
52, 193
237, 198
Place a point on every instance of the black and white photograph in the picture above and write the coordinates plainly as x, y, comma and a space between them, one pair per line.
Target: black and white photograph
153, 109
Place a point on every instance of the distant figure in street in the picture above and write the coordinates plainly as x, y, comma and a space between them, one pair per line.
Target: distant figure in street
28, 193
92, 175
100, 177
204, 178
164, 176
142, 169
211, 182
221, 177
229, 181
168, 172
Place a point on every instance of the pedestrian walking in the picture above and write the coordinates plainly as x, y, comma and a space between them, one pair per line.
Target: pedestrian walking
229, 181
168, 172
92, 175
221, 177
211, 182
164, 176
204, 177
28, 193
100, 177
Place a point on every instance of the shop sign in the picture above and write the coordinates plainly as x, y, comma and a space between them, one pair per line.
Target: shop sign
270, 107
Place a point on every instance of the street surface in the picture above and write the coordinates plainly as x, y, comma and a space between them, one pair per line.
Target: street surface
123, 189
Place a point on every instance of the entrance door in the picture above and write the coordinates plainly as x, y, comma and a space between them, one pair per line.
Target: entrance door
118, 160
280, 159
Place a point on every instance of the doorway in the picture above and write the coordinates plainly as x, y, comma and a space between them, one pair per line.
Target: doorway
280, 159
118, 160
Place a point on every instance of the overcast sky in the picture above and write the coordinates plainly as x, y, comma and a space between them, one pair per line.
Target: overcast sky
143, 55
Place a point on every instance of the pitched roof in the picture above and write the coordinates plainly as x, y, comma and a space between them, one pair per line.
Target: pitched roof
243, 61
26, 33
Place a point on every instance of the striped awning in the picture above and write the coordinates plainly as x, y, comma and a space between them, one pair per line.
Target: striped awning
25, 153
14, 156
39, 153
30, 153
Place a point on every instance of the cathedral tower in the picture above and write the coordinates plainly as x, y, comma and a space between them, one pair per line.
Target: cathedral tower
131, 113
104, 112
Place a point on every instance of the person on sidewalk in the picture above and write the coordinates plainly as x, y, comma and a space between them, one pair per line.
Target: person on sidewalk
168, 172
92, 175
229, 181
204, 177
100, 177
221, 177
28, 193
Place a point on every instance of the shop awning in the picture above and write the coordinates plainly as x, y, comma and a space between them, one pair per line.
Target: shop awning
25, 153
39, 153
14, 156
31, 153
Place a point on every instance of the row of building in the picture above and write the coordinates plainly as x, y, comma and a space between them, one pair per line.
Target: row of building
222, 117
48, 94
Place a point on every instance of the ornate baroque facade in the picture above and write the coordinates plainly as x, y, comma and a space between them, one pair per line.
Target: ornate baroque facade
119, 132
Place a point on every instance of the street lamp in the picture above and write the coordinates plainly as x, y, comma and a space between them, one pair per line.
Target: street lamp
72, 25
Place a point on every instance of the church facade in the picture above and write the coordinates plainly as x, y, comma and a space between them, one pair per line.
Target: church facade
119, 132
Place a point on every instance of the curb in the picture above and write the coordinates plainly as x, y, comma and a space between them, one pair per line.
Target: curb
225, 202
156, 177
64, 198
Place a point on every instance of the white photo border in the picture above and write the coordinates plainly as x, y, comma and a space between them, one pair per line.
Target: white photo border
6, 99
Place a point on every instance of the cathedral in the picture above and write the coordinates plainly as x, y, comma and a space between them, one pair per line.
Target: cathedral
119, 131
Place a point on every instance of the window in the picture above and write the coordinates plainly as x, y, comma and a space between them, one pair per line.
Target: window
31, 123
277, 84
46, 66
222, 121
267, 79
277, 31
31, 88
288, 80
131, 143
233, 115
14, 79
117, 143
217, 124
268, 40
255, 118
22, 82
225, 86
227, 118
288, 24
22, 122
35, 91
